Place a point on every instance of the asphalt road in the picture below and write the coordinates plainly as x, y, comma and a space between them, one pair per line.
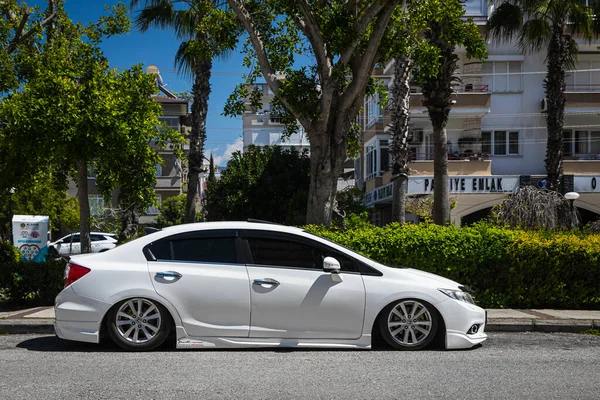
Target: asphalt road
507, 366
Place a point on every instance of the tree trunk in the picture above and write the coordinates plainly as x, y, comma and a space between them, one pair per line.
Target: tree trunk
129, 224
201, 91
84, 207
326, 160
441, 197
555, 97
399, 146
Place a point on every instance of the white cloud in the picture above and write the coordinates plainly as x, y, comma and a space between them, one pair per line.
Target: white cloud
222, 158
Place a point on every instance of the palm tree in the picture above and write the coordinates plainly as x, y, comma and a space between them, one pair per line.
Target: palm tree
399, 140
435, 70
551, 25
208, 29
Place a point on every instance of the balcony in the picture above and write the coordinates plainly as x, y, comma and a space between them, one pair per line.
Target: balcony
471, 101
168, 183
476, 167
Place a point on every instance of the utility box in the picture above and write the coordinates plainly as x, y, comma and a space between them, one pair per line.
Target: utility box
30, 236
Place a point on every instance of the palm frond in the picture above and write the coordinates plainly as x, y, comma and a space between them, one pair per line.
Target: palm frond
185, 58
535, 35
581, 22
156, 14
505, 21
570, 60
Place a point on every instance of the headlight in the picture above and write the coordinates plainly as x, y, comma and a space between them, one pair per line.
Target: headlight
458, 295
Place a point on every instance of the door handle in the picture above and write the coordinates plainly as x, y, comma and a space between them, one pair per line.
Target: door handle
169, 274
266, 281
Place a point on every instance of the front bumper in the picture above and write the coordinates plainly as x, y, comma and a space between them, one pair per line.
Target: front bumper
459, 317
78, 317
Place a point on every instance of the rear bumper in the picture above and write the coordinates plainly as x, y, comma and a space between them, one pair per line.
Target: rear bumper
78, 317
459, 317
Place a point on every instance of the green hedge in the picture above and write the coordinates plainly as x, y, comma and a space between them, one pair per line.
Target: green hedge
507, 268
32, 283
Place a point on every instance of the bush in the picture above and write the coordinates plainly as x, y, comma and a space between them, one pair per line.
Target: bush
32, 283
8, 253
507, 268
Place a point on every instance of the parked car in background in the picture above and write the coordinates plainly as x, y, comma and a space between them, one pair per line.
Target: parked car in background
70, 244
246, 284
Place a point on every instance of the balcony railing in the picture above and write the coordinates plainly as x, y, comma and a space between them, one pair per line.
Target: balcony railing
586, 87
466, 88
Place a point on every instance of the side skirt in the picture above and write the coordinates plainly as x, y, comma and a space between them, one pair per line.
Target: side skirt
185, 342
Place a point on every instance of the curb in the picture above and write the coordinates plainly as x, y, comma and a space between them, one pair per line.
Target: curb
546, 326
20, 327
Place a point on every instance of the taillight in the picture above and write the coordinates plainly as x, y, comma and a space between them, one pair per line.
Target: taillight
73, 272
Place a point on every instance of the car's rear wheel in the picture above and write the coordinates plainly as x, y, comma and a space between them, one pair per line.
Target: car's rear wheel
139, 324
408, 324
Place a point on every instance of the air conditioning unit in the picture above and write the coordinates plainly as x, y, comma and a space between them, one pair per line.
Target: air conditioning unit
544, 105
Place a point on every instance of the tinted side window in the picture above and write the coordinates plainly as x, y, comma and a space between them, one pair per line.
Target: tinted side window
221, 250
97, 238
283, 253
278, 252
75, 239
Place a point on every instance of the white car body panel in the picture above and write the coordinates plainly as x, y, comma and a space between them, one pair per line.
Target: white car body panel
306, 304
219, 306
212, 299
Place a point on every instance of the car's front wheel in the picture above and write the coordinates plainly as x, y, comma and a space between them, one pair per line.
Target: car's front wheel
408, 324
139, 324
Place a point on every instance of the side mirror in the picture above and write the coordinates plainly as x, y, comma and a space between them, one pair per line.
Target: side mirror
332, 265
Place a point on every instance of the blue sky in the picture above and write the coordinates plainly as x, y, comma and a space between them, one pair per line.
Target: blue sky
158, 47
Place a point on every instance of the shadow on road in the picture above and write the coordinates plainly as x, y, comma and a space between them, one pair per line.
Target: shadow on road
54, 344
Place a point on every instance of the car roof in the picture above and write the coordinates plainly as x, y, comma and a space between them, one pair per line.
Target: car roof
230, 225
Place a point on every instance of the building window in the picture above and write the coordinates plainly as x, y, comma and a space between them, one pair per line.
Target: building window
377, 157
170, 122
584, 81
503, 76
96, 204
158, 170
371, 160
475, 7
372, 108
581, 142
500, 143
154, 210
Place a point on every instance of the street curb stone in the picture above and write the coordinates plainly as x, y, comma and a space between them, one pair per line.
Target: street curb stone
19, 327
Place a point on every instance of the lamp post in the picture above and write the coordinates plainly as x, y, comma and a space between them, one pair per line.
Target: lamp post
572, 196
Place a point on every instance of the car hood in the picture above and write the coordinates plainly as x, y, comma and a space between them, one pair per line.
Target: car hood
418, 275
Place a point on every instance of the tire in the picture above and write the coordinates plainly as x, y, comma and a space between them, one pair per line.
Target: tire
133, 332
401, 330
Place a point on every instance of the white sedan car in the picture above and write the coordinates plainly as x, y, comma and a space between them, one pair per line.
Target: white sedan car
71, 244
246, 284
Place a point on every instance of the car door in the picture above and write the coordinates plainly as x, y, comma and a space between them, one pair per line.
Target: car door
291, 295
203, 275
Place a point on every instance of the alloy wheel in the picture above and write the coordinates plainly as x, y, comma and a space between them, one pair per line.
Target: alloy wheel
409, 323
138, 320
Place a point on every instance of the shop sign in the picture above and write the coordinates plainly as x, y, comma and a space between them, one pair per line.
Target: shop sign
586, 183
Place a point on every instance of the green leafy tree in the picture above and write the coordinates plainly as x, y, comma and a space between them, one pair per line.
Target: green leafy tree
207, 30
267, 183
20, 28
553, 26
87, 114
436, 62
172, 211
210, 184
343, 39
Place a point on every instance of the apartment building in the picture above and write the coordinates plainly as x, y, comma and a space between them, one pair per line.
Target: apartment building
262, 128
170, 175
496, 133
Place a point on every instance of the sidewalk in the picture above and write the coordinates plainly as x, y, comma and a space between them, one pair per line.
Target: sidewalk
41, 319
